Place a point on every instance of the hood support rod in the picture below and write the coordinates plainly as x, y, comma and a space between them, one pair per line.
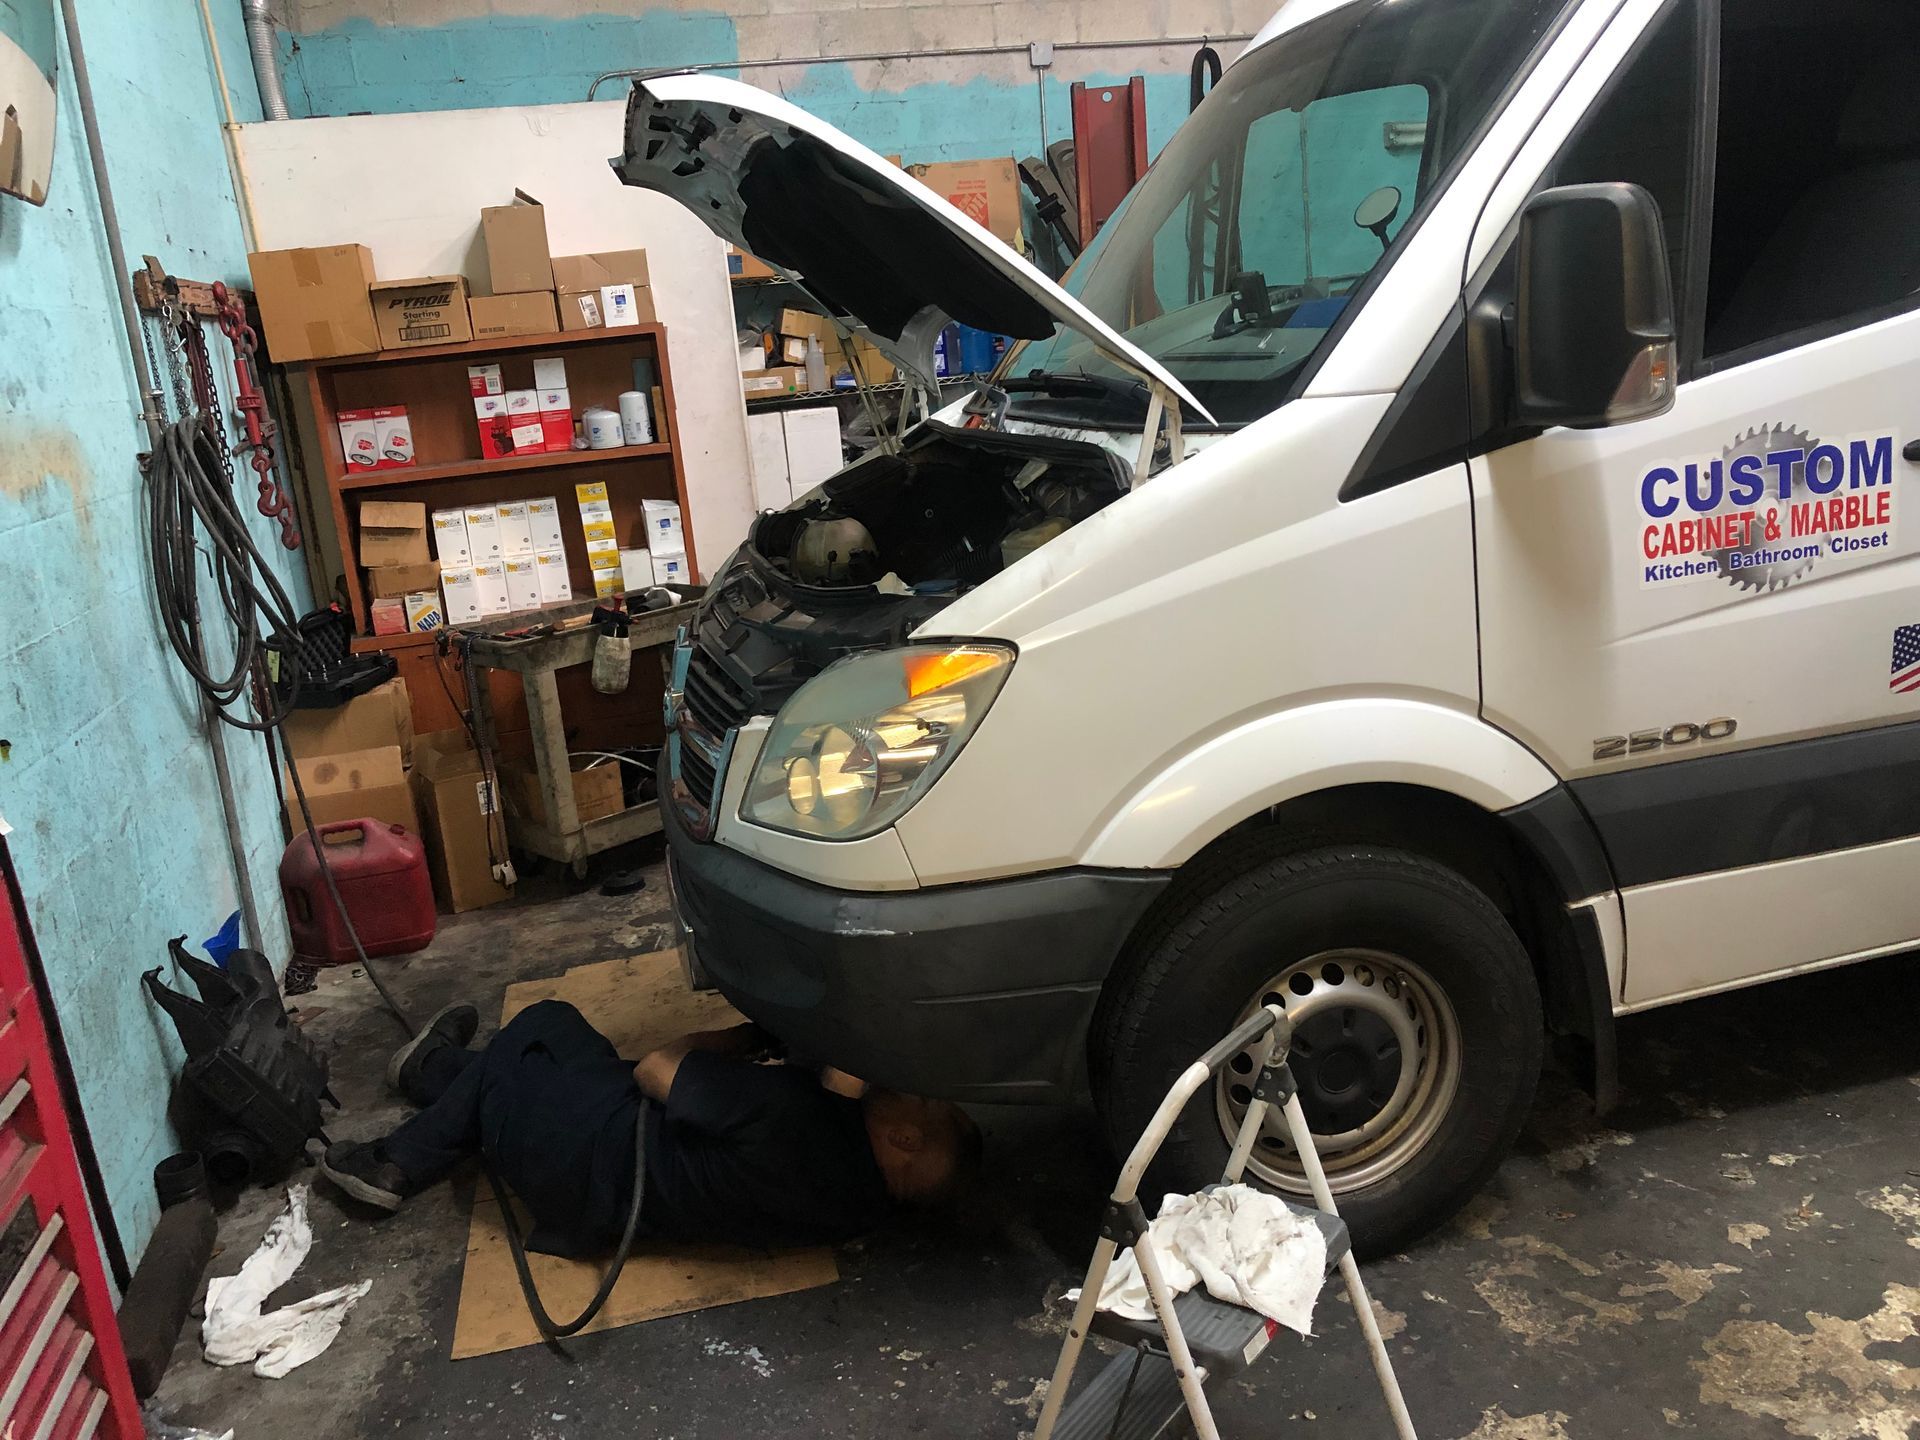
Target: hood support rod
1163, 410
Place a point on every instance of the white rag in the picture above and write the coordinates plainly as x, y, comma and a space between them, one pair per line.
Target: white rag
1245, 1244
235, 1331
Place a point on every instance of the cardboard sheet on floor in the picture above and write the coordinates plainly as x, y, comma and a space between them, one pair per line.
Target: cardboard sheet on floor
637, 1003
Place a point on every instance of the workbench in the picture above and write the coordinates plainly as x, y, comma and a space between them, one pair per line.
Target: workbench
537, 658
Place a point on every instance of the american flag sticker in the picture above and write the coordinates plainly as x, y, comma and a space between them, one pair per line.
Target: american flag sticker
1906, 659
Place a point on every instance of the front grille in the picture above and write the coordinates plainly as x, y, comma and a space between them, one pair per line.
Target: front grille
697, 774
713, 700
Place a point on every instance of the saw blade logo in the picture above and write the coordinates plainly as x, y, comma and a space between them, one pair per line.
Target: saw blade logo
1762, 512
1750, 571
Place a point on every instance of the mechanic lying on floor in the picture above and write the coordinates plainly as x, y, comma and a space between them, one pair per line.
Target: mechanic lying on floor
763, 1155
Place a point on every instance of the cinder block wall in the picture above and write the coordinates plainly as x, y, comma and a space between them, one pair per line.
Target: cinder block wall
105, 778
346, 56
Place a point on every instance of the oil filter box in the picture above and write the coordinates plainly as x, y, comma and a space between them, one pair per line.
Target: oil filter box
431, 310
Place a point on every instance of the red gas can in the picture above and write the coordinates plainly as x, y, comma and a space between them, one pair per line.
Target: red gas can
381, 872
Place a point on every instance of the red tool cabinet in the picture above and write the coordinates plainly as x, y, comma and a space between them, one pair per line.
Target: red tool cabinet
63, 1375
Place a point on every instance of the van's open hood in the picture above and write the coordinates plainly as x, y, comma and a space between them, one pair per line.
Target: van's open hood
871, 244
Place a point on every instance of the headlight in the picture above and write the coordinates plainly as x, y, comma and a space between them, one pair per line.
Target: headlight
859, 743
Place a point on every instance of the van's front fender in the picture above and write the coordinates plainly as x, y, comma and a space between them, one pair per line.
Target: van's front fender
1300, 751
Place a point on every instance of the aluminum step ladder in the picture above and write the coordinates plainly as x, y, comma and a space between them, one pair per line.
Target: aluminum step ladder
1160, 1379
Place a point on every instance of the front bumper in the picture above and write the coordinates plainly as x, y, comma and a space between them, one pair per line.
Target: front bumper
969, 992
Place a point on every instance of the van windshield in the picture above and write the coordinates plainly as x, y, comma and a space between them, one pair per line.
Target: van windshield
1258, 225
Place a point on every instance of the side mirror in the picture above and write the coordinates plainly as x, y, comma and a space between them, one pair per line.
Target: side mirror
1594, 331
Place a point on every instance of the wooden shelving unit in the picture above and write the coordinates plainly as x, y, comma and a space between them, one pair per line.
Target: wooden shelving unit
431, 382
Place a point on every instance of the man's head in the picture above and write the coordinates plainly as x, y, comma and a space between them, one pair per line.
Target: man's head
927, 1149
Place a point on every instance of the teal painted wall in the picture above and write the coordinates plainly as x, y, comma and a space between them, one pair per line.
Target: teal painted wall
361, 65
107, 783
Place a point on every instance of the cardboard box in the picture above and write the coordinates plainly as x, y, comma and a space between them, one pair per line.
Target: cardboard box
483, 533
523, 582
359, 440
353, 785
774, 381
516, 241
663, 528
605, 583
812, 436
598, 529
596, 792
458, 806
636, 569
875, 368
549, 372
523, 402
742, 266
485, 380
425, 612
530, 313
579, 309
603, 555
450, 545
395, 435
490, 586
394, 582
431, 310
671, 570
555, 583
392, 532
579, 279
462, 595
985, 191
389, 617
543, 519
767, 461
382, 716
313, 302
516, 529
604, 267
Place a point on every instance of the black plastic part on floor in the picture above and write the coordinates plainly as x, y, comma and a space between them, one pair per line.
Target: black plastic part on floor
1733, 1255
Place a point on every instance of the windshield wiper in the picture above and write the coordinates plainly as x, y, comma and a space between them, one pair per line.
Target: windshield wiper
1077, 384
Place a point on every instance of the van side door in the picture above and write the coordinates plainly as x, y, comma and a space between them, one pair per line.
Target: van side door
1708, 622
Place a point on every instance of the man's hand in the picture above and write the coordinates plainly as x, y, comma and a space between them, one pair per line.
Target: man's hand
654, 1074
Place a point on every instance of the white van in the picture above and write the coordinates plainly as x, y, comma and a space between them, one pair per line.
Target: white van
1435, 560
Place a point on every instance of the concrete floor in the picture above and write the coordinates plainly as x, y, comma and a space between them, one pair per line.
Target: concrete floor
1734, 1253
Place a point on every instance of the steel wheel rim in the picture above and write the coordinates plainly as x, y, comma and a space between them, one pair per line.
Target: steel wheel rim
1378, 993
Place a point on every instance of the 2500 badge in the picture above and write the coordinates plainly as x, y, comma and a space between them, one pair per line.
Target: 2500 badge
1645, 742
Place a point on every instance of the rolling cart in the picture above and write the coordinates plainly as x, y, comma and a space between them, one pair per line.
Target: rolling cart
1145, 1391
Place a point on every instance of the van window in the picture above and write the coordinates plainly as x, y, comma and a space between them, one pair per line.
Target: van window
1258, 227
1645, 131
1817, 176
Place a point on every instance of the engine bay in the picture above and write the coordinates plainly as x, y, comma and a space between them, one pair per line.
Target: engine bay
951, 509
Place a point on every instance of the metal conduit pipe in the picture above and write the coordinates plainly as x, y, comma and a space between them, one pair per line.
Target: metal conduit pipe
266, 64
150, 414
1156, 43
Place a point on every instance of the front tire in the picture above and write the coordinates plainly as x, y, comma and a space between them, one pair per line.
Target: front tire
1418, 1029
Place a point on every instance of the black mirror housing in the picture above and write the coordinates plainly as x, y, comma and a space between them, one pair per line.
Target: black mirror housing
1594, 327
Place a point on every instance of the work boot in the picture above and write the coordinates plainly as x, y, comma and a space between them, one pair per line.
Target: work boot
453, 1025
365, 1173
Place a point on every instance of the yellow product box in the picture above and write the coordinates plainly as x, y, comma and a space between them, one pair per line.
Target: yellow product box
598, 530
591, 491
607, 582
